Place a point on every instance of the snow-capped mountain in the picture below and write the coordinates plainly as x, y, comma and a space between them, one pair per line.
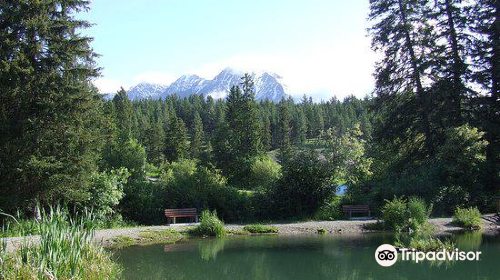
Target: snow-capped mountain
267, 86
145, 91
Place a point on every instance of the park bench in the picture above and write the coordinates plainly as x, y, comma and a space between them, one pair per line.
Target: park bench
172, 214
356, 209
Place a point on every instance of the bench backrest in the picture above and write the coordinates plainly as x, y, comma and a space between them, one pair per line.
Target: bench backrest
356, 207
177, 212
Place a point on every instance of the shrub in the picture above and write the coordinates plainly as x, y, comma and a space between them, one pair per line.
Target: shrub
401, 215
304, 186
394, 213
264, 172
417, 212
106, 191
321, 231
261, 229
210, 225
424, 243
467, 218
331, 210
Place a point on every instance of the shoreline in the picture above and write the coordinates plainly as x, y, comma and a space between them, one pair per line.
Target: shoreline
109, 237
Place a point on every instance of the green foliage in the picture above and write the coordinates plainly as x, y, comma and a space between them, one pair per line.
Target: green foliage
50, 114
130, 155
331, 210
304, 186
402, 215
210, 225
264, 173
106, 192
189, 185
261, 229
346, 151
321, 231
197, 139
424, 243
467, 218
177, 144
65, 251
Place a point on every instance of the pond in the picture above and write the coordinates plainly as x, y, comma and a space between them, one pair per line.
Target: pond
342, 256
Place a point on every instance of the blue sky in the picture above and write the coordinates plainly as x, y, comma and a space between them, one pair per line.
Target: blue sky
320, 47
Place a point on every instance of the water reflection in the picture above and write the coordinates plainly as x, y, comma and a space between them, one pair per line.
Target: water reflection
298, 257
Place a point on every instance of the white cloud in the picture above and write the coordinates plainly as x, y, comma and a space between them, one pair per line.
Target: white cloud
322, 72
106, 85
162, 78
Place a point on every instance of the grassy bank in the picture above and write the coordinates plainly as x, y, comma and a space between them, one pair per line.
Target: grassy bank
65, 251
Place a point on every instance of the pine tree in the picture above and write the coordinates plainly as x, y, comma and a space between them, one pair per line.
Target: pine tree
401, 31
197, 132
176, 144
486, 62
449, 49
266, 133
50, 113
301, 127
124, 115
284, 143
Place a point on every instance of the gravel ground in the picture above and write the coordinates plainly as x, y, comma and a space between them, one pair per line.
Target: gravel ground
106, 236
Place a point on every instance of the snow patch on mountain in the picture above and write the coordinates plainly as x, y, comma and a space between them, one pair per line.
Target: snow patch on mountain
268, 85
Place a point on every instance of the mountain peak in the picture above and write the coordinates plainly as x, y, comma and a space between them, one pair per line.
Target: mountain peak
268, 85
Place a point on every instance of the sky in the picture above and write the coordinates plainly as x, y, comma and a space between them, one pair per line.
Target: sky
319, 47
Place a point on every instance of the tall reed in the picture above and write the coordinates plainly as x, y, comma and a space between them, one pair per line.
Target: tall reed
64, 251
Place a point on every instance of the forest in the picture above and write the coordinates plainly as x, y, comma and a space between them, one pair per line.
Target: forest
430, 128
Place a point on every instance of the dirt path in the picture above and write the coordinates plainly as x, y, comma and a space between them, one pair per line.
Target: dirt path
107, 236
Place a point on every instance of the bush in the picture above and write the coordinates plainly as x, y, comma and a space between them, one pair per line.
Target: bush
394, 213
106, 191
401, 215
190, 185
467, 218
264, 172
424, 243
261, 229
418, 212
330, 211
304, 186
210, 225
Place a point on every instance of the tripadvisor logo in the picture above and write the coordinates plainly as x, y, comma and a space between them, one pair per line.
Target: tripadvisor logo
387, 255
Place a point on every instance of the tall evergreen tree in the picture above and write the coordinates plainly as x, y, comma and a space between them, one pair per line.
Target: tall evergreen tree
400, 31
176, 144
124, 115
486, 62
49, 114
197, 132
284, 143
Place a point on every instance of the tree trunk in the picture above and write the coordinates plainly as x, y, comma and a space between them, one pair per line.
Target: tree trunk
421, 98
457, 68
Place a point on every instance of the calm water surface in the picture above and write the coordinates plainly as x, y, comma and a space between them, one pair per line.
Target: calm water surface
300, 257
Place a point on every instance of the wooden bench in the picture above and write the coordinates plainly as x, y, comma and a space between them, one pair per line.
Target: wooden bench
356, 209
172, 214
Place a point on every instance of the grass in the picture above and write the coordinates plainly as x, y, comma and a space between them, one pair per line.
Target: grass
321, 231
210, 225
65, 251
469, 218
425, 243
146, 237
261, 229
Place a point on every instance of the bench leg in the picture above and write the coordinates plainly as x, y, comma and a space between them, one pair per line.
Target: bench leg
174, 219
196, 219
